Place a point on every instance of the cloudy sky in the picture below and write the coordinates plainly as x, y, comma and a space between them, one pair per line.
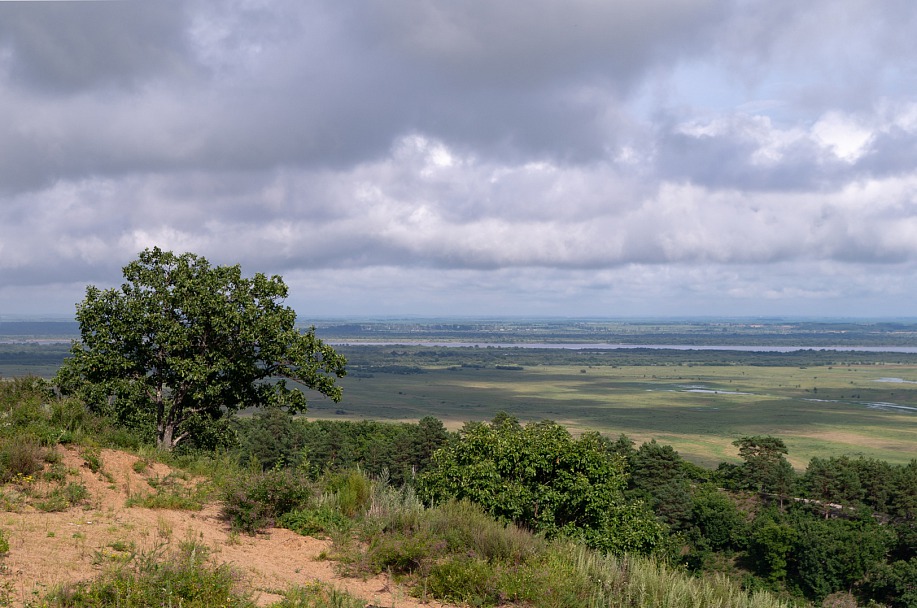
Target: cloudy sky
576, 158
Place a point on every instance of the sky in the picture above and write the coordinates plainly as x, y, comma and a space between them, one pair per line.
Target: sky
471, 157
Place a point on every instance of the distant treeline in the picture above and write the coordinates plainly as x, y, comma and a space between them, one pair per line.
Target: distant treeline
712, 333
33, 354
368, 357
40, 329
367, 360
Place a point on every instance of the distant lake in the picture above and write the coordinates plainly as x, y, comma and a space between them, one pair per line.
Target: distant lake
607, 346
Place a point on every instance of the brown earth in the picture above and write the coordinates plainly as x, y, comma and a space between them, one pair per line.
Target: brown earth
50, 549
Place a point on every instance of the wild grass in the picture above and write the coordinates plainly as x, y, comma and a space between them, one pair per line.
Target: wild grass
454, 552
176, 497
816, 410
318, 595
184, 578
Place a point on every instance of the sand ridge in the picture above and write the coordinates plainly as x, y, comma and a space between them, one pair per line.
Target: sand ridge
49, 549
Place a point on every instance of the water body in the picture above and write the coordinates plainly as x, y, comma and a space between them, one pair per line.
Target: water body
608, 346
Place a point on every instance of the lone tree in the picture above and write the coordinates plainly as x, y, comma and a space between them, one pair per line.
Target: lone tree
182, 344
766, 468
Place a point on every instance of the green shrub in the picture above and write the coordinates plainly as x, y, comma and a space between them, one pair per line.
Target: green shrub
541, 477
92, 456
404, 553
353, 491
253, 501
20, 456
315, 522
185, 578
4, 544
465, 579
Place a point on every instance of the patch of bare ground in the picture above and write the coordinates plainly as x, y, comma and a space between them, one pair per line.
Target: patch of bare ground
50, 549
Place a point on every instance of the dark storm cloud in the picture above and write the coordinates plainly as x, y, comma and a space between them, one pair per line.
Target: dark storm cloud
66, 47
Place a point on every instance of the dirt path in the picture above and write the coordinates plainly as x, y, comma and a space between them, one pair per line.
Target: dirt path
49, 549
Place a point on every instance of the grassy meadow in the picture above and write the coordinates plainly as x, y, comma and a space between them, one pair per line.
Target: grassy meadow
819, 411
821, 403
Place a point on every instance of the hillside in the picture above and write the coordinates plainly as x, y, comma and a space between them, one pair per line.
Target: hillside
48, 549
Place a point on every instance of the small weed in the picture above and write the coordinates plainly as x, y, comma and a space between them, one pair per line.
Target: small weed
170, 494
120, 545
62, 498
163, 528
318, 595
56, 474
92, 456
4, 543
140, 465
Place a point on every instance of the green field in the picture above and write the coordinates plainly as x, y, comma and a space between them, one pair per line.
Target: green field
820, 402
819, 411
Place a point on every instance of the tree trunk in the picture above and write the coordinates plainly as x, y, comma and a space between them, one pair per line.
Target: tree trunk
164, 440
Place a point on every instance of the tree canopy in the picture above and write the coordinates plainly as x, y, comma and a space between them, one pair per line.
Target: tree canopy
541, 477
183, 343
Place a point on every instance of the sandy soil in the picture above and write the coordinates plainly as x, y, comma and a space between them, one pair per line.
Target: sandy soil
49, 549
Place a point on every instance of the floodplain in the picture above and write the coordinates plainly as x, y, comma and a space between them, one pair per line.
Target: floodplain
699, 409
821, 402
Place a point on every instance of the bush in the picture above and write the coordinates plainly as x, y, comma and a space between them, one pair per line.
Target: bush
465, 579
254, 501
353, 491
20, 456
185, 578
314, 522
404, 553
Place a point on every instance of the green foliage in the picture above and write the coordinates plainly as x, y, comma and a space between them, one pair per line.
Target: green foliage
771, 546
540, 476
62, 498
4, 543
658, 477
466, 579
318, 595
833, 480
185, 578
171, 493
182, 343
317, 522
716, 523
92, 456
766, 468
398, 450
894, 584
833, 554
272, 437
352, 491
253, 501
19, 457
